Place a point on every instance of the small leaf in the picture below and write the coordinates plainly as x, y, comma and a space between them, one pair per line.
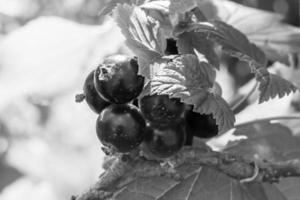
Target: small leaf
233, 42
236, 44
108, 8
191, 80
272, 85
143, 35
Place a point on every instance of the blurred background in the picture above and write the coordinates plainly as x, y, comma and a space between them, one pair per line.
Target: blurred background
48, 146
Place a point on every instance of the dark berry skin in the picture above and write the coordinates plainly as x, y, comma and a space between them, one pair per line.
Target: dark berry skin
117, 81
95, 102
171, 48
161, 109
164, 141
121, 127
201, 125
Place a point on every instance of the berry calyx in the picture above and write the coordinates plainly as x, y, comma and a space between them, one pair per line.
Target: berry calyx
117, 81
120, 127
161, 109
91, 96
164, 141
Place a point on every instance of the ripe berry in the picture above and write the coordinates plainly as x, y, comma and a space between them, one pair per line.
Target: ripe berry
201, 125
91, 96
120, 126
117, 81
161, 109
164, 141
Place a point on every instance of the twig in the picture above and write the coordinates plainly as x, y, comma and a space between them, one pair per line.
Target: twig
123, 171
245, 98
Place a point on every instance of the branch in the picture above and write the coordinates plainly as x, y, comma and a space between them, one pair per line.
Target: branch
126, 169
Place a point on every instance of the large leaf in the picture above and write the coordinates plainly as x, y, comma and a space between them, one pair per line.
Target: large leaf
236, 44
273, 142
190, 79
143, 35
290, 188
277, 39
198, 184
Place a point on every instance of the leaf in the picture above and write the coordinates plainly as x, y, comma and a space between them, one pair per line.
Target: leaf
199, 183
273, 85
189, 41
191, 80
159, 10
273, 142
182, 6
236, 44
290, 188
143, 35
108, 8
278, 40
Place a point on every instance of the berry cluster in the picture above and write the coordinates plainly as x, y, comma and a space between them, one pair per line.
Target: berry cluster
159, 124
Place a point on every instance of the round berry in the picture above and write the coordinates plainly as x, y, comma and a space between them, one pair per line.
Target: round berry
201, 125
91, 96
117, 81
164, 141
121, 127
161, 109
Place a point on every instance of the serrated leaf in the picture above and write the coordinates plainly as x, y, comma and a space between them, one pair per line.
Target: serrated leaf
159, 10
273, 85
158, 5
236, 44
186, 78
273, 142
189, 41
218, 107
201, 183
143, 35
233, 41
108, 8
278, 40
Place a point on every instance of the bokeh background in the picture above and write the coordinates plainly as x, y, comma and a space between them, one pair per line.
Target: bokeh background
48, 146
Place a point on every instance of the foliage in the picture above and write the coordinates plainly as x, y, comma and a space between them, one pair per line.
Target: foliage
191, 76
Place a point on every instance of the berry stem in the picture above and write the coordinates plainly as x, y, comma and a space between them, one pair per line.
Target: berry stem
234, 108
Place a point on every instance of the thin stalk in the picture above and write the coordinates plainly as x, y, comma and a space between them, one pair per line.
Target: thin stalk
245, 98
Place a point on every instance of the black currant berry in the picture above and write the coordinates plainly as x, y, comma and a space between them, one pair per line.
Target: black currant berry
117, 81
161, 109
164, 141
91, 96
201, 125
120, 126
